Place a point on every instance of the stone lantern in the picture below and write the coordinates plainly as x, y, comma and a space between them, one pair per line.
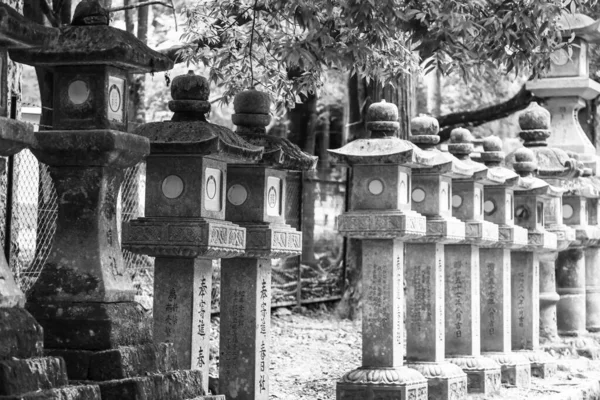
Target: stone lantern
495, 269
185, 226
557, 168
84, 297
256, 200
592, 259
531, 196
431, 195
380, 216
84, 292
567, 84
463, 339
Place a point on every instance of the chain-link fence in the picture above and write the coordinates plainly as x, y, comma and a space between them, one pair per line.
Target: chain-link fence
28, 209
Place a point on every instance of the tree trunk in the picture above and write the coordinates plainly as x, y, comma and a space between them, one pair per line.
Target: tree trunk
129, 16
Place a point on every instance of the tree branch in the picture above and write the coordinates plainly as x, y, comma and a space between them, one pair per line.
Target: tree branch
142, 4
518, 102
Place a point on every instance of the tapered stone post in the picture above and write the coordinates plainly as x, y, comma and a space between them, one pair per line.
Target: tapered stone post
425, 264
530, 198
256, 197
495, 271
462, 298
592, 272
185, 226
380, 214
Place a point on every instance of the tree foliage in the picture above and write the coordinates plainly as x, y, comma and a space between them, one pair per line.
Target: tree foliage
284, 46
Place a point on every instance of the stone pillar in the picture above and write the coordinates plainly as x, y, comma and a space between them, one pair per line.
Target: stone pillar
425, 272
495, 270
382, 218
548, 297
256, 197
530, 197
570, 279
185, 226
592, 272
462, 292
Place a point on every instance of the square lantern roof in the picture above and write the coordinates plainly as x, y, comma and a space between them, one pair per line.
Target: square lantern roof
93, 45
17, 31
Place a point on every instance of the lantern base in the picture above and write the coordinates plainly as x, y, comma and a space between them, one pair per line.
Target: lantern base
91, 326
371, 383
20, 334
483, 374
445, 380
543, 365
516, 369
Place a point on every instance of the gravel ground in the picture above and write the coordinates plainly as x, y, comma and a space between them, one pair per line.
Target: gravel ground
313, 349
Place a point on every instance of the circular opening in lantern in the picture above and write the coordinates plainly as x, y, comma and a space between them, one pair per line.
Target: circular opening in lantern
375, 187
237, 194
567, 211
456, 201
418, 195
78, 92
489, 207
172, 187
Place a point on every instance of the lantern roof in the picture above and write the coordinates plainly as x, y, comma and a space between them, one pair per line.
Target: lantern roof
252, 115
92, 42
189, 132
552, 162
579, 25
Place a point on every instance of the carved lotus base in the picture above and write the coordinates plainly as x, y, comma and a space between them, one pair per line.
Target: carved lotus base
185, 237
272, 241
483, 374
511, 237
445, 381
399, 383
382, 224
584, 346
481, 233
443, 230
516, 369
541, 241
543, 365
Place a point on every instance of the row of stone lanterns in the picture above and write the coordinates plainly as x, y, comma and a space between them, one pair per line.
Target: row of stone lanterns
409, 196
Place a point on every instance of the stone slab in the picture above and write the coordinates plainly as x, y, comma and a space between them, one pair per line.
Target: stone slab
495, 305
77, 362
20, 335
92, 326
80, 392
29, 375
132, 361
173, 385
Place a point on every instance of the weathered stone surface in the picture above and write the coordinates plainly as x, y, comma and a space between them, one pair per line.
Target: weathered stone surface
570, 282
182, 293
77, 362
445, 381
91, 326
548, 297
29, 375
245, 328
192, 237
132, 361
396, 382
525, 300
84, 45
516, 369
16, 31
592, 289
172, 385
382, 224
543, 365
20, 334
80, 392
